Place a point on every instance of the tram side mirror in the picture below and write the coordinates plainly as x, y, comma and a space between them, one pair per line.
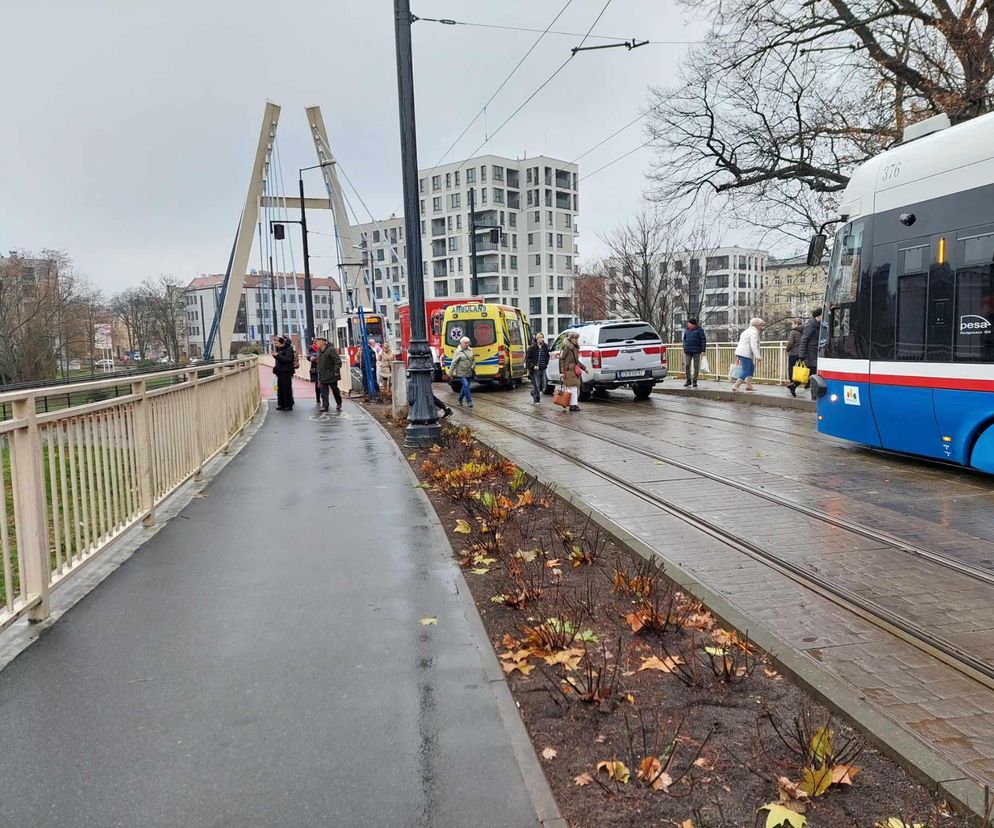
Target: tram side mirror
816, 249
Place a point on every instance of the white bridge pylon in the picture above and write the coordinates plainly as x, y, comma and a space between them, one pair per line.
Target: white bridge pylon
351, 271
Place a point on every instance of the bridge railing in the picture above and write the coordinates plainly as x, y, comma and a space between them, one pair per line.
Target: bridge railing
74, 479
772, 368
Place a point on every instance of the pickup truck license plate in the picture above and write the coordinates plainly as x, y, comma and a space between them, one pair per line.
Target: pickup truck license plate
627, 374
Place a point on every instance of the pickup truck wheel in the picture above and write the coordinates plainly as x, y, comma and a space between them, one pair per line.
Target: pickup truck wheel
643, 390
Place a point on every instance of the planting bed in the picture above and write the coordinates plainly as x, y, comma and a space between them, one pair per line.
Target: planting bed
645, 711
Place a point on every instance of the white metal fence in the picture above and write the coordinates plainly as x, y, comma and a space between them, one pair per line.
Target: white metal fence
72, 480
772, 368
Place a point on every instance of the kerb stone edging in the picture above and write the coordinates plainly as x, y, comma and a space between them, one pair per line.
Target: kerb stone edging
904, 747
529, 765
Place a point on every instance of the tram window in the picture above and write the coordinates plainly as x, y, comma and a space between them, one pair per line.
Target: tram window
840, 325
978, 249
882, 308
940, 300
974, 323
912, 290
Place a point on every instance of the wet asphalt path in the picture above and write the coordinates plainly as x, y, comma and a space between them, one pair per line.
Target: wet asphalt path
261, 662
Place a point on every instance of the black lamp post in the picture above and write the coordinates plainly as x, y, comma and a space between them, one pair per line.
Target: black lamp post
423, 428
278, 233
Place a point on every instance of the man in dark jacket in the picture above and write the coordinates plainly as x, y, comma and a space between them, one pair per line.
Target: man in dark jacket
808, 346
793, 354
537, 361
695, 343
329, 372
285, 359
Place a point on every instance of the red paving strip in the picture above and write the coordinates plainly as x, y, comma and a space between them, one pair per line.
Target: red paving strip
301, 389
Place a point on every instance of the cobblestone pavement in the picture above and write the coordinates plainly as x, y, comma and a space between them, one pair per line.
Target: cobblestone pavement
941, 509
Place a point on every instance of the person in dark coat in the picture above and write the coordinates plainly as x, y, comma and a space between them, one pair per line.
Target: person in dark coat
808, 346
313, 359
285, 359
793, 354
695, 343
329, 372
537, 361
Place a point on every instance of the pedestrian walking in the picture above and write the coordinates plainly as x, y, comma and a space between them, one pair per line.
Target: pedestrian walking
286, 363
537, 361
747, 353
793, 353
384, 367
808, 346
695, 343
571, 369
329, 372
313, 360
462, 368
439, 405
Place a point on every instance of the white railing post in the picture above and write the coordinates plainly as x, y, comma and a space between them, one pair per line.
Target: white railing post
228, 418
30, 510
194, 379
143, 452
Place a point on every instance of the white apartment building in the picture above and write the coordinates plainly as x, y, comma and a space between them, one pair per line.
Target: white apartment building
722, 287
525, 238
254, 321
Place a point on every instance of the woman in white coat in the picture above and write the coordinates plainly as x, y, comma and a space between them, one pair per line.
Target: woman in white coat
747, 353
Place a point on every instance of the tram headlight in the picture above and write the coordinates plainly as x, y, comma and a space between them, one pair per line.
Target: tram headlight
834, 398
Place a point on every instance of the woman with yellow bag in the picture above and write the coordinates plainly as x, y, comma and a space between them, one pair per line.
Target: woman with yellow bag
793, 354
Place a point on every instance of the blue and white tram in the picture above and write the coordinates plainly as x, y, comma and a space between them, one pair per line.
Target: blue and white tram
907, 343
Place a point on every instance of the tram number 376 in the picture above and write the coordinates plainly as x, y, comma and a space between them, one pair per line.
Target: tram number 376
891, 171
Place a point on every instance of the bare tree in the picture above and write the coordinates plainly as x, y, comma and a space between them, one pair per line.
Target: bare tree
164, 297
132, 308
787, 97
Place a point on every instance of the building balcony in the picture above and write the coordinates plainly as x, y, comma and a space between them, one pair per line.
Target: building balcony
485, 247
486, 222
440, 269
564, 179
488, 267
489, 287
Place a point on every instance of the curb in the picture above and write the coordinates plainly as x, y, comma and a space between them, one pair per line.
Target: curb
908, 750
544, 803
739, 397
22, 634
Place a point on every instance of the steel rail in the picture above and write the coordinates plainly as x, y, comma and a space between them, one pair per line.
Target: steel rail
935, 646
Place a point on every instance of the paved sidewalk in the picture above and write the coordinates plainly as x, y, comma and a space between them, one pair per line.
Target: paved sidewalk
261, 662
775, 395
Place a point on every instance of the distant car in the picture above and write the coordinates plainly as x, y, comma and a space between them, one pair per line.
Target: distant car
105, 363
165, 360
617, 353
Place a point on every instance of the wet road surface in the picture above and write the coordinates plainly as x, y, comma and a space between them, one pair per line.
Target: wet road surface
261, 662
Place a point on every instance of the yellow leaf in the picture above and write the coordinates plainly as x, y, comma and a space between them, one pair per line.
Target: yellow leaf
412, 456
615, 770
666, 665
522, 667
816, 781
582, 779
629, 698
462, 527
790, 790
526, 555
480, 570
687, 823
431, 621
549, 753
569, 658
716, 651
894, 822
821, 745
651, 771
778, 816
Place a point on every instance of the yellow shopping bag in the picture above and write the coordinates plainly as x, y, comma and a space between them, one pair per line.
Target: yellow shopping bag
801, 373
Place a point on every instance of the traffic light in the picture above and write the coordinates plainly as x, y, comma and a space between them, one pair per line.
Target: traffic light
279, 232
495, 235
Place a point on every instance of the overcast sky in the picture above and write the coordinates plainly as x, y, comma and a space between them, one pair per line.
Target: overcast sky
130, 125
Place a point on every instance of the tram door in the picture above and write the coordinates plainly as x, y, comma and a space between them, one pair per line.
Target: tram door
912, 322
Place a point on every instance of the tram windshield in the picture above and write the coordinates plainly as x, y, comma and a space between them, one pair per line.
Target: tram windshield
843, 286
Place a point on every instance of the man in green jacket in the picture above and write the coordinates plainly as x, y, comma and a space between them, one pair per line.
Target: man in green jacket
329, 373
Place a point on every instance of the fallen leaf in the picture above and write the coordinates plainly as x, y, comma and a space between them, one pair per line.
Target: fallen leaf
412, 456
789, 790
549, 753
687, 823
773, 674
816, 780
553, 563
615, 770
569, 658
843, 774
431, 621
582, 779
522, 667
716, 651
510, 642
779, 815
651, 771
667, 665
480, 570
629, 698
600, 739
894, 822
821, 745
462, 527
526, 555
704, 762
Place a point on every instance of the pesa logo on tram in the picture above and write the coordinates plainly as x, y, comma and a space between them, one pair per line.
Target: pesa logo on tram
906, 352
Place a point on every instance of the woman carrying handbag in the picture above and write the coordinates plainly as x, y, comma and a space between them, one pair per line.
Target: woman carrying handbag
571, 369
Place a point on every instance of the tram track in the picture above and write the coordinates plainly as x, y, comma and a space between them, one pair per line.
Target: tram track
917, 636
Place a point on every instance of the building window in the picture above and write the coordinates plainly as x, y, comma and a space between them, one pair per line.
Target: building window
498, 193
421, 186
548, 218
484, 192
458, 284
471, 175
551, 261
531, 281
538, 217
531, 201
455, 201
512, 220
514, 262
448, 181
436, 182
538, 260
459, 265
436, 204
483, 173
456, 174
376, 237
442, 288
498, 173
459, 221
453, 243
528, 176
